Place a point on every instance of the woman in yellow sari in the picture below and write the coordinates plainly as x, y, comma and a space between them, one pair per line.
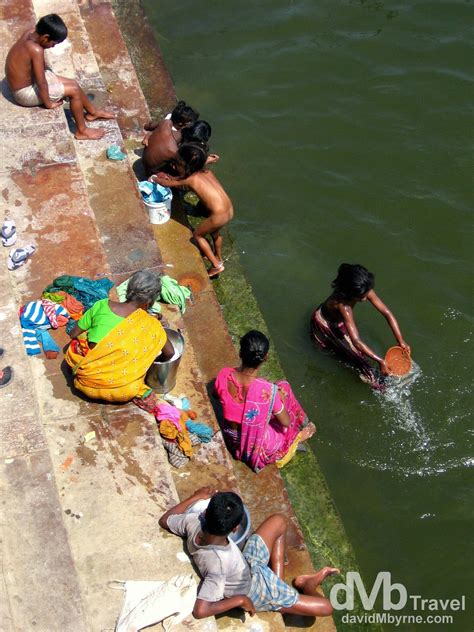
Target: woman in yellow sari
115, 343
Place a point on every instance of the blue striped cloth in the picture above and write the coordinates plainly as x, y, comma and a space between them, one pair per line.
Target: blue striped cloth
34, 324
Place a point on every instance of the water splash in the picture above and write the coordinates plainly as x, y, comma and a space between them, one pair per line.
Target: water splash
397, 406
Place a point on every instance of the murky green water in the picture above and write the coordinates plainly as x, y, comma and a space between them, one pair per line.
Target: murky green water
345, 130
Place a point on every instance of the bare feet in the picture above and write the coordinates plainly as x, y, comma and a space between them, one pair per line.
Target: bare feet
216, 270
89, 133
305, 583
99, 114
308, 431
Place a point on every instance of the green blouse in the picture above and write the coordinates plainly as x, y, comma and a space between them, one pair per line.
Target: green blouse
99, 320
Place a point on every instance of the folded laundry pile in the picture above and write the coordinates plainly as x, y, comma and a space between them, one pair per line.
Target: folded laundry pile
73, 306
87, 291
178, 428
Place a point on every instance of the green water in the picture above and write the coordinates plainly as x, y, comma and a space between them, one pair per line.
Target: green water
345, 131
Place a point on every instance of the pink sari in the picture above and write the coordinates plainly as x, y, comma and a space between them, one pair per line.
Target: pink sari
262, 439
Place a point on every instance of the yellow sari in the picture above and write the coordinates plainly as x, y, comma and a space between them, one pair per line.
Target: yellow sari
114, 370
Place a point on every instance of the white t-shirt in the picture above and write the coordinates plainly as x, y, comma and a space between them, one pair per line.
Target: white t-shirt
224, 571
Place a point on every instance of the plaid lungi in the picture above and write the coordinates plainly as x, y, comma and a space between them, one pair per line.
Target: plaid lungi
267, 590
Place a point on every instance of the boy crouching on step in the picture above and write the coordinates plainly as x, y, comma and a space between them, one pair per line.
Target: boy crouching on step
252, 579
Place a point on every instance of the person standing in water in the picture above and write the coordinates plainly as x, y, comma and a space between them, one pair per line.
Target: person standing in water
333, 324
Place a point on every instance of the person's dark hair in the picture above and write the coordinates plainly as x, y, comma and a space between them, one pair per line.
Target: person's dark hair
183, 115
199, 132
193, 157
254, 347
352, 281
52, 26
224, 512
144, 287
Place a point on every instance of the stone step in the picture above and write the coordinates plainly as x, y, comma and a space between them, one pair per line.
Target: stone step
264, 493
77, 513
95, 502
40, 586
111, 186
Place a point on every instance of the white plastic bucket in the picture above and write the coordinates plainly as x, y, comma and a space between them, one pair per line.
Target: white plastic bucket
159, 212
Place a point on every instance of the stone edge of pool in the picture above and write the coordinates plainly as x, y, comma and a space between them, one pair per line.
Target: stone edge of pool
323, 530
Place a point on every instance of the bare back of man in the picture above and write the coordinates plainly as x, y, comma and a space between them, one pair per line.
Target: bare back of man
160, 146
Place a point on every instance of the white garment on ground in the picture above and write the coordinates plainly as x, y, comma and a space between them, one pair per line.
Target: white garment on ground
148, 602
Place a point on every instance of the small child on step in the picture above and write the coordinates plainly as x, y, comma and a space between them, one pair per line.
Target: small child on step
215, 204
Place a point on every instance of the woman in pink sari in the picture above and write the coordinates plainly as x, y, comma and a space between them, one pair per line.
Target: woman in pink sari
263, 422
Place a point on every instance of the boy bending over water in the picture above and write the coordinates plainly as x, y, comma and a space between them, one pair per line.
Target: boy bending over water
33, 84
161, 143
252, 579
214, 201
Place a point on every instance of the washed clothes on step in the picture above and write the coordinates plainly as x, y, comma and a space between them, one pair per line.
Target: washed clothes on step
73, 306
148, 602
172, 292
87, 291
36, 318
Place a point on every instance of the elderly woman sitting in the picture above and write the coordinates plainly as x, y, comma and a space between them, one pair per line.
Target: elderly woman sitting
263, 422
115, 343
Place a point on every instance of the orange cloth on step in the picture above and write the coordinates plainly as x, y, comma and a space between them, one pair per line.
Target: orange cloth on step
169, 431
73, 306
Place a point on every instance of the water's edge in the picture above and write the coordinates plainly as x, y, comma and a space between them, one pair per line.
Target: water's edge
323, 530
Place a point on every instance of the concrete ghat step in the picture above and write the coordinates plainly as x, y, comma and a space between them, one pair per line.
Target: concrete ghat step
213, 349
40, 587
116, 68
75, 513
111, 186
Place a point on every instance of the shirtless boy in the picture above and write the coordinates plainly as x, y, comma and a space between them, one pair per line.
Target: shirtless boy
214, 201
161, 145
31, 83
